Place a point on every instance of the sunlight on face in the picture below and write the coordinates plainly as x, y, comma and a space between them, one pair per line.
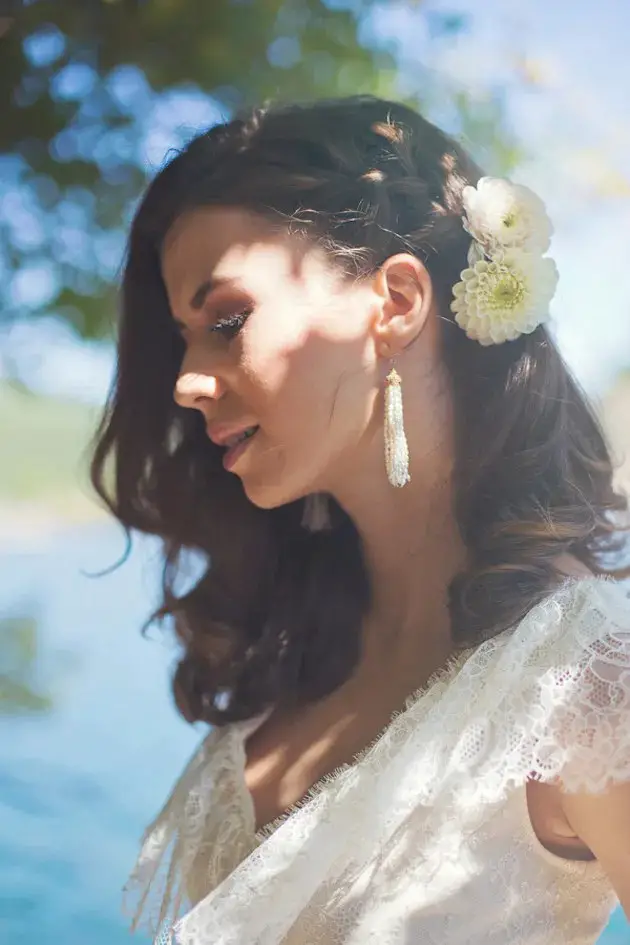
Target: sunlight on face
280, 343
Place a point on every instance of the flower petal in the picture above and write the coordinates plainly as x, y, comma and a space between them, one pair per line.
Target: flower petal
499, 301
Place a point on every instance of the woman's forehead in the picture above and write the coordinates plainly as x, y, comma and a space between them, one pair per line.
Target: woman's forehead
212, 230
226, 243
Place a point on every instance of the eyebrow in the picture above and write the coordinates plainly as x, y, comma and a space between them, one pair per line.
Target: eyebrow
201, 294
204, 290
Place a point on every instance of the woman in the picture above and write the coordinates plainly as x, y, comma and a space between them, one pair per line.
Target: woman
335, 384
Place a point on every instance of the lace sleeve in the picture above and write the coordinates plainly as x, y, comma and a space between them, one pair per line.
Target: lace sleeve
583, 704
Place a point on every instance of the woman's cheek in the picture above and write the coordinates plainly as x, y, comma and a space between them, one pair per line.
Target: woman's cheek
272, 361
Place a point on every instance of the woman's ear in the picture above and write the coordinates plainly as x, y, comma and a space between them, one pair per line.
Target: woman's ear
405, 294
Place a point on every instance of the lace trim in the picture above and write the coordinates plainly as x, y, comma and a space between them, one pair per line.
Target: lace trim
440, 678
559, 749
202, 833
585, 740
551, 697
442, 770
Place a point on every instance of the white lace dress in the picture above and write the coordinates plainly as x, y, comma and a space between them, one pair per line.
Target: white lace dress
426, 837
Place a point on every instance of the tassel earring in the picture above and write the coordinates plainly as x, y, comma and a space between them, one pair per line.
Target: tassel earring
316, 515
396, 449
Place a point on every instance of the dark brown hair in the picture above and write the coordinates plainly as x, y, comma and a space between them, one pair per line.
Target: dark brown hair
276, 617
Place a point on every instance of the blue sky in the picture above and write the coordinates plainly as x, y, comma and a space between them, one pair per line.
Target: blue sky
564, 72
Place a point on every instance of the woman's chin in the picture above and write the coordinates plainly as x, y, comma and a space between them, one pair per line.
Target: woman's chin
263, 498
268, 499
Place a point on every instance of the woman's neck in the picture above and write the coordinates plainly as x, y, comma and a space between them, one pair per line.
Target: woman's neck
411, 540
413, 549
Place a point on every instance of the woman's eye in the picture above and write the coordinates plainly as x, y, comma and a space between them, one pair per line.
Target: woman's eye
230, 325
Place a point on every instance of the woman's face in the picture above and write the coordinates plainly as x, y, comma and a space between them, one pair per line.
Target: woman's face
277, 343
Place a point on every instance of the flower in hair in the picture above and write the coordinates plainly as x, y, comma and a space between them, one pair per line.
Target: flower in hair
500, 214
508, 296
508, 285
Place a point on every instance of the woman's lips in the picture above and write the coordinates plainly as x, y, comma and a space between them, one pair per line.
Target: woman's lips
233, 453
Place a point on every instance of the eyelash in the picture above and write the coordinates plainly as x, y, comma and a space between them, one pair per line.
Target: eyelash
232, 324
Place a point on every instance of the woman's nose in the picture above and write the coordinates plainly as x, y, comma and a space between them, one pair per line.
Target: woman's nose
192, 389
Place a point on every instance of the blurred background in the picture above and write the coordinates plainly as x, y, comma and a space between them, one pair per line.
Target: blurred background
92, 97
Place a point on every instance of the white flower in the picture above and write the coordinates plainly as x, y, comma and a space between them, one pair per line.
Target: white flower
508, 285
509, 296
500, 214
475, 253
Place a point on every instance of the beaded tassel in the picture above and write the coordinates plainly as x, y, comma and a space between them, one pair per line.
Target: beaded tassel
396, 449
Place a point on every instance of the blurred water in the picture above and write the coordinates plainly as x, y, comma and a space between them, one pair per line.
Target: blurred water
78, 784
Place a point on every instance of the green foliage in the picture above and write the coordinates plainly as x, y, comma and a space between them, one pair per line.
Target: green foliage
85, 85
21, 691
47, 452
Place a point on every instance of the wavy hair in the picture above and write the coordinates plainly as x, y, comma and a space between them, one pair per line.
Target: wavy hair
276, 616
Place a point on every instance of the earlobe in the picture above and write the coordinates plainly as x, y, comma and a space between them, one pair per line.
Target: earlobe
403, 286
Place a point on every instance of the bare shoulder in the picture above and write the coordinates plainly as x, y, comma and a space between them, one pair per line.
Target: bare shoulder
602, 823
